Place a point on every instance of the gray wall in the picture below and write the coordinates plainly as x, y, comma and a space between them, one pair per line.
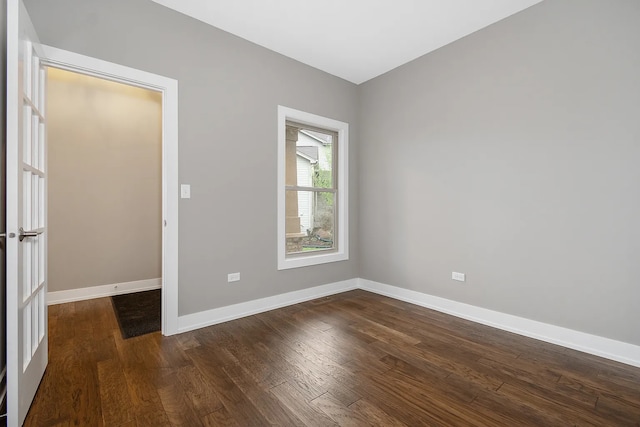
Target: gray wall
229, 90
513, 156
510, 155
105, 182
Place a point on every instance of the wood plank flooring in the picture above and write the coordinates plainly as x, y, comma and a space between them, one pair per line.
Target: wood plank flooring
353, 359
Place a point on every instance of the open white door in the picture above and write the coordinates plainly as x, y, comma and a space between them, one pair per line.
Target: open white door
26, 214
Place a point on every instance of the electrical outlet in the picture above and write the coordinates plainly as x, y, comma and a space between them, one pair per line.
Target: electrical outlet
457, 276
233, 277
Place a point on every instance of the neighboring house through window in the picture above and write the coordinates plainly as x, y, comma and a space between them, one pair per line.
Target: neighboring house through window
312, 189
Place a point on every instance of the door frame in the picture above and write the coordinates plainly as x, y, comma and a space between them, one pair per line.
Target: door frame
168, 87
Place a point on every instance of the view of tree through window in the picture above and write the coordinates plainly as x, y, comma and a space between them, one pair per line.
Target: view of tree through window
310, 189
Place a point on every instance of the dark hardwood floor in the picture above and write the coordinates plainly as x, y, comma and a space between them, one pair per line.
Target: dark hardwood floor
354, 359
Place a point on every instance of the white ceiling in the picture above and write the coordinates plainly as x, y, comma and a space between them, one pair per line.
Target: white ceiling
353, 39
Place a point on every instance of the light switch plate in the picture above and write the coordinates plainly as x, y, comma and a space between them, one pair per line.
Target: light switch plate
185, 191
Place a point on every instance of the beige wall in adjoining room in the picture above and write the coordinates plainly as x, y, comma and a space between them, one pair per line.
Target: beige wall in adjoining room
105, 182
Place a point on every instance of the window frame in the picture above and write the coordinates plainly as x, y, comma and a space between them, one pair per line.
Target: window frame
341, 177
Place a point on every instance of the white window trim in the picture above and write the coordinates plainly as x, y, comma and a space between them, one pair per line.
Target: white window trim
342, 215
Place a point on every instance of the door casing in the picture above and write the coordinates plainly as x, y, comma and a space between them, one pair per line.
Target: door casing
168, 87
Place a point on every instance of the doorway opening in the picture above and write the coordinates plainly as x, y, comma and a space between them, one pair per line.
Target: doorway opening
105, 189
167, 91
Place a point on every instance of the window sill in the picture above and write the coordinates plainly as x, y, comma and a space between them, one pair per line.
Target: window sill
308, 260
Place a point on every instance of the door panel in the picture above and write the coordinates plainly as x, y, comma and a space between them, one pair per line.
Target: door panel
26, 214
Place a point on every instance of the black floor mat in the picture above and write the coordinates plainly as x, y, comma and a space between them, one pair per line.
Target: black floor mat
138, 313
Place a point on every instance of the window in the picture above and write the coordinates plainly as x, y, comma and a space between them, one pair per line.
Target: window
312, 189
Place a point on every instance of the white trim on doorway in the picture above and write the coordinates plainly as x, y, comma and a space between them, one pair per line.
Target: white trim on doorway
169, 88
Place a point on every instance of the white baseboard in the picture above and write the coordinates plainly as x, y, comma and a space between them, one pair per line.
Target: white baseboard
592, 344
202, 319
71, 295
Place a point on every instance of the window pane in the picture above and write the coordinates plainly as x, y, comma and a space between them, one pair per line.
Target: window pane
310, 221
309, 158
